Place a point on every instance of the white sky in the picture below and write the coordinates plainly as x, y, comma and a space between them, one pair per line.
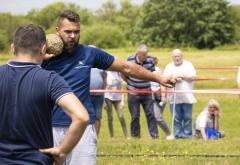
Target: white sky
23, 6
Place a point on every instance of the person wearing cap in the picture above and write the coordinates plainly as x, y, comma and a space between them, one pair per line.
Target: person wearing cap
185, 74
141, 58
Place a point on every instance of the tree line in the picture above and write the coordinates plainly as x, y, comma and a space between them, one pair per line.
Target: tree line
159, 23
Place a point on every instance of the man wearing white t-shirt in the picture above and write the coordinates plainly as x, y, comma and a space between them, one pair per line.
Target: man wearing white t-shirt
185, 73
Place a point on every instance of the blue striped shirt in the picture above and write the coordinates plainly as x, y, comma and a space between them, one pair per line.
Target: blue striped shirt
137, 84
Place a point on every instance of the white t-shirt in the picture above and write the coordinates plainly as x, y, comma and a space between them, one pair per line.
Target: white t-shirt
204, 120
185, 69
114, 82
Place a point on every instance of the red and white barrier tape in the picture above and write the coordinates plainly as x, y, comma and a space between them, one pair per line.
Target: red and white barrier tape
209, 91
219, 68
220, 78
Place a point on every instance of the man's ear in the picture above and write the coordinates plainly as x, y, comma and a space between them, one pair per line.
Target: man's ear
57, 29
13, 49
43, 50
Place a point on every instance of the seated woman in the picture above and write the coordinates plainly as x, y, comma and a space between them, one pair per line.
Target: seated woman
207, 123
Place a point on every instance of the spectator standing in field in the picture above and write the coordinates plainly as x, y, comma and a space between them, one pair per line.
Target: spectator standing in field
159, 102
115, 82
185, 73
28, 94
208, 122
97, 81
135, 100
74, 65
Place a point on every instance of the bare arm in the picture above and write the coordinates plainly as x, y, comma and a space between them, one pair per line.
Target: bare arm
185, 78
202, 130
73, 107
217, 118
136, 71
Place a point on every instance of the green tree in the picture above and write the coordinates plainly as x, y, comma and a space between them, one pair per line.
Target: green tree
108, 12
8, 26
47, 16
103, 36
3, 41
235, 15
199, 23
125, 17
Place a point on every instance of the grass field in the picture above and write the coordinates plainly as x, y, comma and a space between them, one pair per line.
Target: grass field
226, 151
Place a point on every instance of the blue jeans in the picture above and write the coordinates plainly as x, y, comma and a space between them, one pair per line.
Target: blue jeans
182, 120
134, 102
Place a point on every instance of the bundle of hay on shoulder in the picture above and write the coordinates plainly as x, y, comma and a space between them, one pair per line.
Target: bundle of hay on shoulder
55, 44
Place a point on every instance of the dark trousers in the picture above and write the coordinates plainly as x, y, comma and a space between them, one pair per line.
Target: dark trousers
134, 102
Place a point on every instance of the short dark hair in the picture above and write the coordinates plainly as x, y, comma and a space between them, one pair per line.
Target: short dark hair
69, 15
29, 39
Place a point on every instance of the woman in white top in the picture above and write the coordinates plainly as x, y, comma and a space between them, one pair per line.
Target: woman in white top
114, 82
208, 118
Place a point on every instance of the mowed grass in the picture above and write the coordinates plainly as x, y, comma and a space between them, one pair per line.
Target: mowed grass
119, 151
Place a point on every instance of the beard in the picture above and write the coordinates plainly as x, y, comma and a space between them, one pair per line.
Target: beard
70, 46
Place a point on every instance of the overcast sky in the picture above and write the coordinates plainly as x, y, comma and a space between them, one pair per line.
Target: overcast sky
23, 6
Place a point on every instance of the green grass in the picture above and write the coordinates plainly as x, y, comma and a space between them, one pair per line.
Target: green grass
186, 151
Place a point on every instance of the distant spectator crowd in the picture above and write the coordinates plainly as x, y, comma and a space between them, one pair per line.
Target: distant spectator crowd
154, 103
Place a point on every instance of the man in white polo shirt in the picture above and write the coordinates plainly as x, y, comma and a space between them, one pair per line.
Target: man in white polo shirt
185, 73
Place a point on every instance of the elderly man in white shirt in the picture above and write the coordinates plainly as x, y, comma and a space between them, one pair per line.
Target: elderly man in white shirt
185, 73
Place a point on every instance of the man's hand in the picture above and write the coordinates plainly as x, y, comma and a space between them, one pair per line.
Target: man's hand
179, 79
48, 56
58, 156
168, 81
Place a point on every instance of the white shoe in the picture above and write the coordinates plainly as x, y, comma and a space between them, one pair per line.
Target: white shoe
170, 137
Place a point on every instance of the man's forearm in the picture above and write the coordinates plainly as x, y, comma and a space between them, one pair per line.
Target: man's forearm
189, 78
79, 116
131, 69
139, 72
73, 135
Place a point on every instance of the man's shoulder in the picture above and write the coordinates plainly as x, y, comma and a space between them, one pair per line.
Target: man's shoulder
131, 57
169, 65
3, 66
186, 62
45, 73
149, 59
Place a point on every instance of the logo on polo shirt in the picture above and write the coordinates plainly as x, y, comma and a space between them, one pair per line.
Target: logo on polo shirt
80, 64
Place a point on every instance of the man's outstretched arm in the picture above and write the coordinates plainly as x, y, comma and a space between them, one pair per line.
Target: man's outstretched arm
130, 69
73, 107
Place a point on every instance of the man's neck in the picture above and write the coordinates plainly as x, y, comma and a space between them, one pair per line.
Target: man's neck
138, 61
26, 58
